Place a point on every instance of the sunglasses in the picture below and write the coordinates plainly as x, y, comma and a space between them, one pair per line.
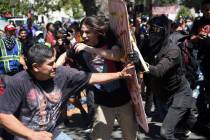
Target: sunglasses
156, 29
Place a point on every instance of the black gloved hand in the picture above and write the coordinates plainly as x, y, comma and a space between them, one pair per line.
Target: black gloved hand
134, 57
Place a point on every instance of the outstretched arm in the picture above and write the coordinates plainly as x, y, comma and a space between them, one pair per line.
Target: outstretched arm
98, 78
13, 125
61, 60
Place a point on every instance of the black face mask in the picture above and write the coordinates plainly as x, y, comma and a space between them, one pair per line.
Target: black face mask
155, 43
156, 38
159, 30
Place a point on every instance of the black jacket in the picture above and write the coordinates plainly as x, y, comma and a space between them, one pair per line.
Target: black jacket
166, 76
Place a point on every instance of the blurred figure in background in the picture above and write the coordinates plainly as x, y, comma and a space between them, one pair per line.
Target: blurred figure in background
1, 33
11, 56
201, 39
50, 36
39, 37
30, 27
25, 41
61, 42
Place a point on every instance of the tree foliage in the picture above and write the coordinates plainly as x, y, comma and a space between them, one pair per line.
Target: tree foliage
41, 6
4, 6
192, 3
162, 2
17, 6
184, 12
44, 6
76, 8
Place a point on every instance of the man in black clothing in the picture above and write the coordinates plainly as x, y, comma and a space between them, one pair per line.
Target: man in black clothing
168, 82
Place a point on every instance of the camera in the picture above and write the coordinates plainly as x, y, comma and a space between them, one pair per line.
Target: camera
71, 53
78, 59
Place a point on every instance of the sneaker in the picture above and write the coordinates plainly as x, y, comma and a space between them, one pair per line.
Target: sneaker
187, 133
183, 133
88, 130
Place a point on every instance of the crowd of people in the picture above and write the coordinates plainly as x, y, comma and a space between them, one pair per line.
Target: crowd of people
41, 70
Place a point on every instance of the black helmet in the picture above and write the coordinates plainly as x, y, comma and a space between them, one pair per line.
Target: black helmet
159, 31
160, 25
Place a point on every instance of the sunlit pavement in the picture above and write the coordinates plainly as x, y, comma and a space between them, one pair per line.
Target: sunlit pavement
77, 129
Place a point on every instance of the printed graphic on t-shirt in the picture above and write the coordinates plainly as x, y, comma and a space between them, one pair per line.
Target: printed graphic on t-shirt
100, 65
42, 109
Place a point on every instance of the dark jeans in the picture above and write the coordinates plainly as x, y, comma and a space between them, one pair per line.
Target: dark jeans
148, 101
178, 109
173, 117
5, 135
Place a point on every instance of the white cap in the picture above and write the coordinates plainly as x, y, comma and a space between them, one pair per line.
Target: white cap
37, 33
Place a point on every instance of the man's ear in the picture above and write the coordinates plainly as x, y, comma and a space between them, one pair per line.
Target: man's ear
35, 67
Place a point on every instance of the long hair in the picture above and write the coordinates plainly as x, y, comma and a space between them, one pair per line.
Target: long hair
48, 26
101, 26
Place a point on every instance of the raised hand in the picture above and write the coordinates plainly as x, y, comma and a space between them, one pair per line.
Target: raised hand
126, 72
80, 47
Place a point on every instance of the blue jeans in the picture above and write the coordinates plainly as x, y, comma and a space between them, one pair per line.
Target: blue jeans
63, 136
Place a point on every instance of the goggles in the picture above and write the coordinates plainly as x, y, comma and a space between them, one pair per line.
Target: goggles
156, 29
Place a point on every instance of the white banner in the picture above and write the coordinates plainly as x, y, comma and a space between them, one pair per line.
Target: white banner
159, 10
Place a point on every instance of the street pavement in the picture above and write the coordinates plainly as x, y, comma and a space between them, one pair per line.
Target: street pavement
77, 129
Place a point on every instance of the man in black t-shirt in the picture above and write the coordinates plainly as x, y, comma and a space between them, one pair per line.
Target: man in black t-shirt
38, 94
